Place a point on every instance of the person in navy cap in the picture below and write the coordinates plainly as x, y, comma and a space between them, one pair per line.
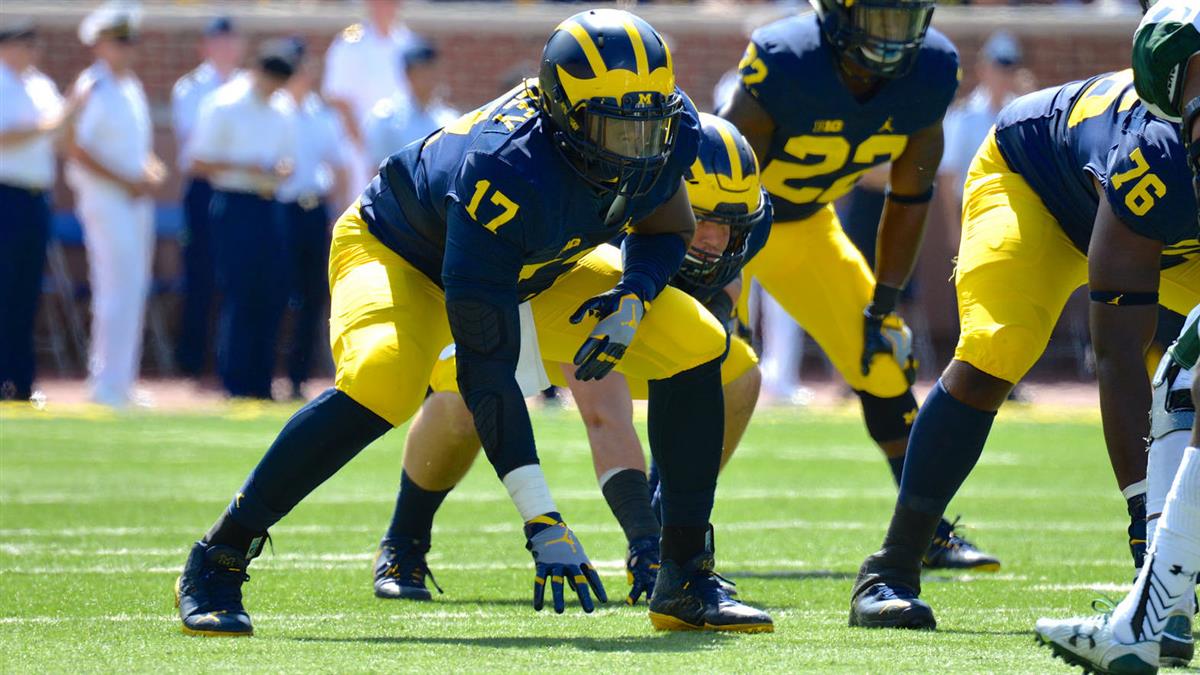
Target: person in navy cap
222, 48
244, 146
409, 115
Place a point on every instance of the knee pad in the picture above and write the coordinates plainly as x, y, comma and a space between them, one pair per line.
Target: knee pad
888, 419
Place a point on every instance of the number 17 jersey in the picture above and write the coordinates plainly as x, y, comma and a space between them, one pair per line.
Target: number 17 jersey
825, 139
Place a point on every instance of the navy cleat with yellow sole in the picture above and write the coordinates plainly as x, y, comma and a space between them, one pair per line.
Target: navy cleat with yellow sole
209, 592
400, 570
692, 597
950, 551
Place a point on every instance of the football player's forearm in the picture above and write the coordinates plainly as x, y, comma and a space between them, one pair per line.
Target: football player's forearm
81, 155
1121, 336
650, 262
898, 243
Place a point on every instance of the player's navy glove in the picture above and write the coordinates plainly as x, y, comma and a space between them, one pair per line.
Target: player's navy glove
641, 568
558, 555
620, 312
887, 334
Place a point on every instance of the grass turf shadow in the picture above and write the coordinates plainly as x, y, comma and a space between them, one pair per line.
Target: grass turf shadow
657, 642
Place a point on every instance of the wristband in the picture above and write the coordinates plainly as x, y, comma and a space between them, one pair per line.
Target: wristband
1119, 299
922, 198
884, 301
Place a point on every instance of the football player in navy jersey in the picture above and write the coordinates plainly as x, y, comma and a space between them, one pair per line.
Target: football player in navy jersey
457, 230
1078, 184
825, 97
733, 222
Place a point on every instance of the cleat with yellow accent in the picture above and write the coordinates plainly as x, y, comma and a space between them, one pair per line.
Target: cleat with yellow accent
890, 605
950, 551
400, 570
691, 597
209, 592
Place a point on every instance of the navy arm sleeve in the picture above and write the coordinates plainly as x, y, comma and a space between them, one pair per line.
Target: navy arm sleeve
483, 260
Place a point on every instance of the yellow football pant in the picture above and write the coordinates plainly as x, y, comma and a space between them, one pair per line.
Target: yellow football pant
1017, 268
815, 273
388, 322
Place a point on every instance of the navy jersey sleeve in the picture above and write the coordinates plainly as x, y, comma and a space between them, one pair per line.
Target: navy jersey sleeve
937, 69
767, 70
1148, 184
488, 214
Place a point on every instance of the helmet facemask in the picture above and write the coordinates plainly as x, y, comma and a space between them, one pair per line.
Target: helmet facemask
882, 36
622, 147
707, 270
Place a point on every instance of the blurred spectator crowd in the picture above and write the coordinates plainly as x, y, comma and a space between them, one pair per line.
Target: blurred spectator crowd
271, 148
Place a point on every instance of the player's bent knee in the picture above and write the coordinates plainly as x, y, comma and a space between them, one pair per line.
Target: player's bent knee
888, 419
381, 382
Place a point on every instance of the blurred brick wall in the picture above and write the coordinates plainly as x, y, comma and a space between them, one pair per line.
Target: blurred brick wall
480, 53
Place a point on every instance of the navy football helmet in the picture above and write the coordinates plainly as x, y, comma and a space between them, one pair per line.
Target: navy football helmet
608, 88
723, 187
882, 36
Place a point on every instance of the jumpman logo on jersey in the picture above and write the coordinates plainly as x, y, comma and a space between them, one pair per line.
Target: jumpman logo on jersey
887, 126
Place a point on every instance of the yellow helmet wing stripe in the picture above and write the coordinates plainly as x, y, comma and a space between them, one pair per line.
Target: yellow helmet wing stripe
589, 48
735, 159
639, 47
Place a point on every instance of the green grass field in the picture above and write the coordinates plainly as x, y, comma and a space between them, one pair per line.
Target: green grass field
97, 512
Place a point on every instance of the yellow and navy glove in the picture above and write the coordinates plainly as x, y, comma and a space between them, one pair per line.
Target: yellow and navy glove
558, 555
884, 332
619, 312
641, 568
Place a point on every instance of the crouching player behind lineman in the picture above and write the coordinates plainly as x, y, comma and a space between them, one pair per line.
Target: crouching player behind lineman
451, 236
733, 221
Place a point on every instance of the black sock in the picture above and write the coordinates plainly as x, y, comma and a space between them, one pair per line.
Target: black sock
946, 442
686, 425
415, 508
628, 495
897, 466
228, 532
317, 441
681, 543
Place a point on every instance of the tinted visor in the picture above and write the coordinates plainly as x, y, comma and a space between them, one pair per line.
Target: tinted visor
629, 137
889, 33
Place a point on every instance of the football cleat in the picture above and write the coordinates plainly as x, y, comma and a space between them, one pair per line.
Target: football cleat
691, 597
400, 570
950, 551
641, 568
1177, 645
209, 592
1090, 644
890, 605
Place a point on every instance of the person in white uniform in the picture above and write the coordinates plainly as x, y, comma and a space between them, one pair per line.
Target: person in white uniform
318, 171
114, 172
244, 144
223, 48
31, 112
363, 67
403, 118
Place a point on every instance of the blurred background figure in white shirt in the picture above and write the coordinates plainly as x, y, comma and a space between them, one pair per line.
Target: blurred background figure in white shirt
319, 171
403, 118
222, 48
1001, 79
244, 145
31, 112
114, 173
363, 67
